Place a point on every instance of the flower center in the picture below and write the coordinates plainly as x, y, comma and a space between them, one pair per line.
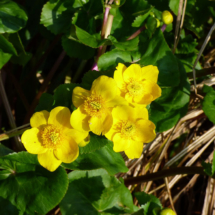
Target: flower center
127, 129
94, 105
135, 88
51, 136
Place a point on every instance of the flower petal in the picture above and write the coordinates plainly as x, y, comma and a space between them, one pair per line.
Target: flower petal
122, 112
105, 87
32, 141
132, 72
150, 73
101, 124
60, 116
118, 100
140, 112
121, 144
84, 142
118, 75
145, 131
79, 95
77, 136
49, 161
135, 150
79, 119
144, 99
39, 118
68, 150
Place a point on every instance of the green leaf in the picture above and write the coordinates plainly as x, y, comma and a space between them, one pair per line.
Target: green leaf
76, 49
34, 188
208, 105
6, 208
173, 4
156, 52
150, 203
57, 15
88, 39
63, 95
4, 150
110, 59
90, 76
6, 46
207, 168
96, 142
4, 58
138, 22
213, 164
104, 158
12, 17
129, 45
172, 105
95, 192
46, 102
186, 45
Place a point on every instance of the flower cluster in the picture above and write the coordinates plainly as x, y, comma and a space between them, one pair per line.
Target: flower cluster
114, 107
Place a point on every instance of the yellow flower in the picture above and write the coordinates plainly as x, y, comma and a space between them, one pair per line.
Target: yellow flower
138, 85
131, 128
53, 138
94, 107
167, 17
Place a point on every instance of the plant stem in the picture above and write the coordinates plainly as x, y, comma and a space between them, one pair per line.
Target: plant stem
135, 34
163, 28
6, 136
163, 174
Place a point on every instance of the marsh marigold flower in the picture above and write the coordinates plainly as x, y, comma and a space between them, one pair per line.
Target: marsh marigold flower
131, 128
53, 138
138, 85
94, 107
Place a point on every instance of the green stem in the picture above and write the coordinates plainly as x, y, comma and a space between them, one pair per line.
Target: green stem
164, 173
6, 136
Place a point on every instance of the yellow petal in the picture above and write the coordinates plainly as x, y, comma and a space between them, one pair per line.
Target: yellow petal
101, 124
110, 134
49, 161
140, 112
68, 150
77, 136
143, 99
79, 119
121, 144
60, 116
129, 98
39, 118
150, 73
79, 95
105, 87
32, 141
84, 142
135, 150
122, 112
145, 131
132, 72
118, 100
118, 75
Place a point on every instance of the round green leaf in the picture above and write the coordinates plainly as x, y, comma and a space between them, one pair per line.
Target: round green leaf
12, 17
104, 158
95, 192
29, 186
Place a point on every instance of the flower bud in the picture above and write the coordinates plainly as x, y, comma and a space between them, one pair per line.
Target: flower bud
117, 2
158, 22
167, 17
167, 211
